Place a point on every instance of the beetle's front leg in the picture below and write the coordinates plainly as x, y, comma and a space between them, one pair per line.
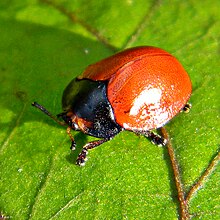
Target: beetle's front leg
73, 143
82, 156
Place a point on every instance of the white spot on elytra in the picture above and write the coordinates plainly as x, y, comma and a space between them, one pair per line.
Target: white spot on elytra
147, 97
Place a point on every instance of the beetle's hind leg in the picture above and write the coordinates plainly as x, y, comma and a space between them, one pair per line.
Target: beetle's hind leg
155, 138
82, 156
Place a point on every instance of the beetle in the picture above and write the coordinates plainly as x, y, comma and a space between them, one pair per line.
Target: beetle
139, 89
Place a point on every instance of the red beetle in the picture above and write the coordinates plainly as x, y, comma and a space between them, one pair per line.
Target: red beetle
138, 89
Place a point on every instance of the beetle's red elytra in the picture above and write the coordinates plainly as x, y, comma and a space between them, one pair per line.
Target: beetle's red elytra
138, 89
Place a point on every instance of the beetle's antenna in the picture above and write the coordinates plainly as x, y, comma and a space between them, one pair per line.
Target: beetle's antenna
44, 110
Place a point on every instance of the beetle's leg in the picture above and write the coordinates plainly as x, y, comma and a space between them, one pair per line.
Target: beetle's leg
82, 156
73, 143
155, 138
187, 107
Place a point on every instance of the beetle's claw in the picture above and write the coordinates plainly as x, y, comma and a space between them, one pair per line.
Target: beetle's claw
73, 145
159, 141
187, 107
82, 158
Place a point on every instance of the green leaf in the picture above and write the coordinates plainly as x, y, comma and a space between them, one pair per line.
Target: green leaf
43, 45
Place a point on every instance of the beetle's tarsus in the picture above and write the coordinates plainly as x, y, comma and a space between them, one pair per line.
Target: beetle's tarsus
159, 141
82, 158
73, 145
187, 107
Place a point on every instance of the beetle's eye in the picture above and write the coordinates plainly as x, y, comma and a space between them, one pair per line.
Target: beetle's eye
74, 126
